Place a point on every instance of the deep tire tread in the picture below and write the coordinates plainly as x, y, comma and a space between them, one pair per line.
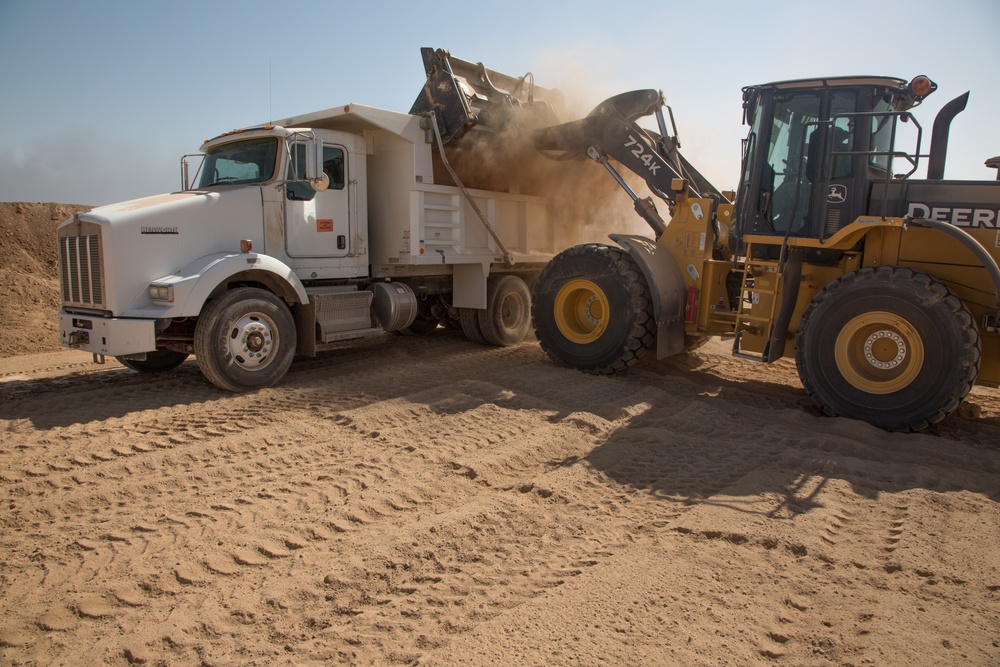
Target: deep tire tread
935, 295
641, 330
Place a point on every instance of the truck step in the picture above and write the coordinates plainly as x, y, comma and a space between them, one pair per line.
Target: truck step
352, 334
342, 313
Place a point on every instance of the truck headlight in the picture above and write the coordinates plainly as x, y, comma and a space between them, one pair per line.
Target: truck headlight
161, 292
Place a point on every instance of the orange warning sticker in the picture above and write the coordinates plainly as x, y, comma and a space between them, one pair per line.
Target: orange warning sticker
324, 225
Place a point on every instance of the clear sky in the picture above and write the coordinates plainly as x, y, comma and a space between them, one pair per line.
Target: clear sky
100, 98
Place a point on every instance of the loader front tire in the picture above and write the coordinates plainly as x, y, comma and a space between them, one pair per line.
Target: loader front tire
890, 346
245, 339
592, 309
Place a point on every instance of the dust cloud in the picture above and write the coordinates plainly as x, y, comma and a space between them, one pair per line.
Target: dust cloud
585, 203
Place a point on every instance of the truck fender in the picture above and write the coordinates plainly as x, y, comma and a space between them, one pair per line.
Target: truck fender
666, 287
198, 281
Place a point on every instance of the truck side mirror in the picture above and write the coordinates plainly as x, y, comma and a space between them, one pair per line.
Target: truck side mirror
314, 165
186, 179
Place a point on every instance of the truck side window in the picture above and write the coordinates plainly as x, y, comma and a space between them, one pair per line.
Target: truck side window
333, 167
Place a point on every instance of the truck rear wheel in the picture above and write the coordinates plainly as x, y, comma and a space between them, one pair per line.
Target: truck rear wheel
507, 317
890, 346
592, 309
159, 361
469, 318
245, 339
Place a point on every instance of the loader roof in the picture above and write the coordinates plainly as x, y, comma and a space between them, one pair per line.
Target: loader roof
836, 82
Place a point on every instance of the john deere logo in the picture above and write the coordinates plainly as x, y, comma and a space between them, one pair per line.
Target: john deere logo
836, 194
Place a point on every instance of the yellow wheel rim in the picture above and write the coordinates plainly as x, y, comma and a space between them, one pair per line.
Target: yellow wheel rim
879, 353
581, 311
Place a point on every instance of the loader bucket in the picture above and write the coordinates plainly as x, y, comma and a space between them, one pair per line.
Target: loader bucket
467, 97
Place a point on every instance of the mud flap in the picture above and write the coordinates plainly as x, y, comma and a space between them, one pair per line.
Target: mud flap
666, 285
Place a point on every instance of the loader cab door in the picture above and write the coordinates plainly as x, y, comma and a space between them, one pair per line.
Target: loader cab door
317, 224
798, 173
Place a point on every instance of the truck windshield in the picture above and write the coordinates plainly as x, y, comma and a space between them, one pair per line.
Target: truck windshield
250, 161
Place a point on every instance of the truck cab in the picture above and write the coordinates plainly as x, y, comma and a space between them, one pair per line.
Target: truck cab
319, 231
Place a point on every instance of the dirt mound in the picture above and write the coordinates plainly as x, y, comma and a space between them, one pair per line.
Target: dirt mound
29, 288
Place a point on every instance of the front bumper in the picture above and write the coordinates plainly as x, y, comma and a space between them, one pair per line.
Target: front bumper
107, 335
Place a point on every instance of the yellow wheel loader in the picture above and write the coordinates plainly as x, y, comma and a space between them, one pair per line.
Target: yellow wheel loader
884, 288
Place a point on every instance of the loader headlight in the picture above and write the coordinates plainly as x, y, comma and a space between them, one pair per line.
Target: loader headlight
161, 292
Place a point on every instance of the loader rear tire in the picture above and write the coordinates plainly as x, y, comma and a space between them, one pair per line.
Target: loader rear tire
245, 339
159, 361
890, 346
592, 309
507, 318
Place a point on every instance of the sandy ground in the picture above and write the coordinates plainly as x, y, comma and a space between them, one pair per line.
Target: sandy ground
429, 501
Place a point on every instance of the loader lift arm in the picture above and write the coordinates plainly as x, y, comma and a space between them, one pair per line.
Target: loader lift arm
611, 131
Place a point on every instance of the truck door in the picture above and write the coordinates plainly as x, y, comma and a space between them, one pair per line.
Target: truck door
317, 224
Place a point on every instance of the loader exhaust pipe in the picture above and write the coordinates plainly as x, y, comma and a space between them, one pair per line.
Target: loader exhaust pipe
939, 136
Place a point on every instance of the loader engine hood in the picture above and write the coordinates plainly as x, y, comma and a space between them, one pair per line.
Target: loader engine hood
109, 255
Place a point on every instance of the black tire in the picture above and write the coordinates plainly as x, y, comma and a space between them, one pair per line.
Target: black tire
507, 318
245, 339
469, 318
159, 361
890, 346
592, 309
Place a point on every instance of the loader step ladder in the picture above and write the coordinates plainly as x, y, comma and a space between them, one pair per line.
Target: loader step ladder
751, 294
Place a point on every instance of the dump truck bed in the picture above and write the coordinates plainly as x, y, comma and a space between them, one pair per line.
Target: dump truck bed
418, 226
439, 227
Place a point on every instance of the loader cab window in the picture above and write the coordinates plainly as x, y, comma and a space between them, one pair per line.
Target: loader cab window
750, 144
842, 128
333, 167
240, 162
789, 151
881, 137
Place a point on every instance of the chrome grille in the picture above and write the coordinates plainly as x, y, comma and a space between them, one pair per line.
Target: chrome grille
80, 270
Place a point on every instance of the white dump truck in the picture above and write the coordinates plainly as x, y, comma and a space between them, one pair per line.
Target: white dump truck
305, 233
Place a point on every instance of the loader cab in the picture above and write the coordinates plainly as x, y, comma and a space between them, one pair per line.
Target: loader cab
813, 151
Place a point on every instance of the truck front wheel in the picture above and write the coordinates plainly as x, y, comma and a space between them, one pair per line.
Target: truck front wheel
245, 339
889, 346
592, 309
